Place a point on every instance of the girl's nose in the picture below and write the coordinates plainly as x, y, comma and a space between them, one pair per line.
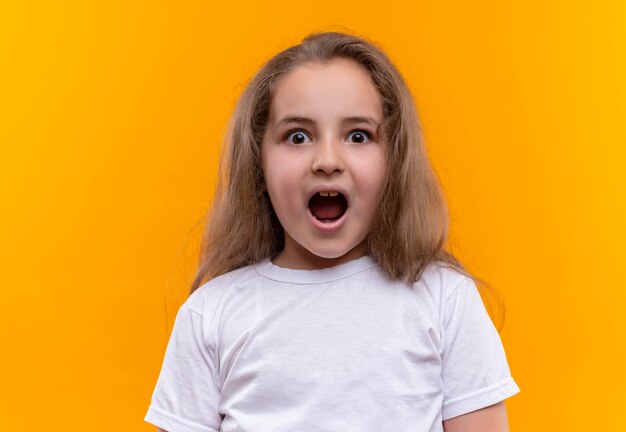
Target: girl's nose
327, 158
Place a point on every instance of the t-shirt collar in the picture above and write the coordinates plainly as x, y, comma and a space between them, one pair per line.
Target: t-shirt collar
282, 274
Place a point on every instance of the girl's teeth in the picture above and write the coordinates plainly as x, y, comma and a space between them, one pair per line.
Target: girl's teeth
332, 194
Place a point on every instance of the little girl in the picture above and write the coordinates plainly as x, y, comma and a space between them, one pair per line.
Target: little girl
324, 299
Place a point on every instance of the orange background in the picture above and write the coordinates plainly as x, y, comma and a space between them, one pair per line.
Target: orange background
110, 120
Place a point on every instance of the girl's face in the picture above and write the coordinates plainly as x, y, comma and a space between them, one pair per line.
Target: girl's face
324, 162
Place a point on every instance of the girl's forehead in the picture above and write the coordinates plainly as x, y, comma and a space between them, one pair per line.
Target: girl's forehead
341, 88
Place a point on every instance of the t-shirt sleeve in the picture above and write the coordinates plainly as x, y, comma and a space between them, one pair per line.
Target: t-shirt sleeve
475, 371
186, 396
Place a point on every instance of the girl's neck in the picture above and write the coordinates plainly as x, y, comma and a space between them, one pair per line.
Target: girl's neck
298, 258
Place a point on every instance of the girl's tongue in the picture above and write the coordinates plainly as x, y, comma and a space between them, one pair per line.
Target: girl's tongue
327, 208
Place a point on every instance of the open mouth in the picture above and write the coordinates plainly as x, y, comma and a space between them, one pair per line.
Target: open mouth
328, 207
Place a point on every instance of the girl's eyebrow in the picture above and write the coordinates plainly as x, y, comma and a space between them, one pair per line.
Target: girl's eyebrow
345, 120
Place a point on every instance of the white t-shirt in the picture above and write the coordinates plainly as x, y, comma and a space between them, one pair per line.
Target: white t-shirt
266, 348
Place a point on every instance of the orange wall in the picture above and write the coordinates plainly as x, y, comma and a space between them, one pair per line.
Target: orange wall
110, 118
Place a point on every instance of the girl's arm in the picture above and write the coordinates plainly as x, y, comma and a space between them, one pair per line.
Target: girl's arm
489, 419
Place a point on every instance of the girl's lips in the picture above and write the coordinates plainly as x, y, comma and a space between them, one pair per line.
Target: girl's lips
327, 227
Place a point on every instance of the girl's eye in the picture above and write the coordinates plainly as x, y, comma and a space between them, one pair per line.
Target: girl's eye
298, 135
360, 136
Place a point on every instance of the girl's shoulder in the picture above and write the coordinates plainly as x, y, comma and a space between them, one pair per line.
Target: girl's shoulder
212, 291
440, 280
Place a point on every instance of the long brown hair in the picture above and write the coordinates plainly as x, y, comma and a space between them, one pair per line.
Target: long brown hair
410, 228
